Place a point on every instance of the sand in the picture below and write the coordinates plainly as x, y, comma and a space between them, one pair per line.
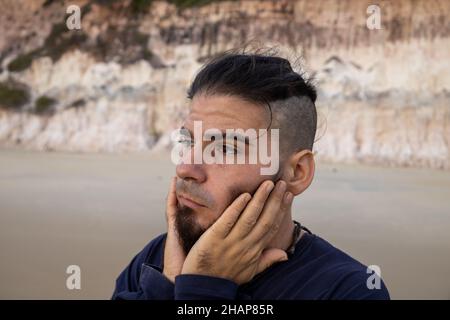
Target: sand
98, 210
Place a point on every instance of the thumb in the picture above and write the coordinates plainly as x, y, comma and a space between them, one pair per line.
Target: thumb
270, 257
171, 203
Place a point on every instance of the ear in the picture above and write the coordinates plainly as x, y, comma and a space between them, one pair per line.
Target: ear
299, 171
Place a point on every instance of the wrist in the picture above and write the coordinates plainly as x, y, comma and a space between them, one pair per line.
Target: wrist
169, 276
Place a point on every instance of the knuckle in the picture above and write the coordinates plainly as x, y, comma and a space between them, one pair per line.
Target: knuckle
249, 221
236, 212
229, 225
278, 196
274, 228
267, 227
256, 206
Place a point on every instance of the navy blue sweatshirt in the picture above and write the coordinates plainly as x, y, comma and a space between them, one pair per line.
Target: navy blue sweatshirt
316, 270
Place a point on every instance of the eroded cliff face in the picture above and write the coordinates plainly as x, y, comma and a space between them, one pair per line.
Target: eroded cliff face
119, 83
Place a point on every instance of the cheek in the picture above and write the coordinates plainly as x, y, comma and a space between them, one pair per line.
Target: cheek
230, 181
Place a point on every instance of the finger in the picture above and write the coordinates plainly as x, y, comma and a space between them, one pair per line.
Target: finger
284, 210
172, 202
271, 216
270, 257
272, 227
223, 226
250, 216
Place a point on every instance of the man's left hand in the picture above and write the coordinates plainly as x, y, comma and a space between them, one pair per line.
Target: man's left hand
235, 246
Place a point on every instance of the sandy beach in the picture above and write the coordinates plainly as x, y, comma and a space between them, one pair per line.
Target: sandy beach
98, 210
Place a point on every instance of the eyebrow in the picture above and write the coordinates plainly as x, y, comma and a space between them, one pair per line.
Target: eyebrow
236, 135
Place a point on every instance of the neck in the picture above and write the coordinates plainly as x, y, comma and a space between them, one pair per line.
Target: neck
283, 239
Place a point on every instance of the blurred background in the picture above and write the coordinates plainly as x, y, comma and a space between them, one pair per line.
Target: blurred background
86, 113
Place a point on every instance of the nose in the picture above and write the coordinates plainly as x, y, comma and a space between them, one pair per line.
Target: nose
193, 172
188, 169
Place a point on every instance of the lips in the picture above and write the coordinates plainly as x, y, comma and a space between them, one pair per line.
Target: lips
189, 202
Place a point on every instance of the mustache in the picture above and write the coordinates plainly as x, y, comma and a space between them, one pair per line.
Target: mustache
195, 192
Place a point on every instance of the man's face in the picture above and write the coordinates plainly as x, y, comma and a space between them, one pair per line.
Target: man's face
204, 191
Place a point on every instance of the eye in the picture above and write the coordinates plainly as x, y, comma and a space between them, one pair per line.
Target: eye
229, 149
185, 141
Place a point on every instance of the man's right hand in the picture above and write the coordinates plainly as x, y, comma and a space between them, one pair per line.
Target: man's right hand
173, 252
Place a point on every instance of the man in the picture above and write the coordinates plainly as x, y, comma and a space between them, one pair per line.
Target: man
230, 229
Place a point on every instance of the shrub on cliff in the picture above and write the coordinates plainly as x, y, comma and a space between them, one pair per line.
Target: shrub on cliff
43, 105
12, 96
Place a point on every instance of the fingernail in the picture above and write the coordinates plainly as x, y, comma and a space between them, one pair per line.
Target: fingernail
269, 186
281, 185
288, 197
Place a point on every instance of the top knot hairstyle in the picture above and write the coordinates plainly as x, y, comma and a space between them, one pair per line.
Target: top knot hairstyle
269, 81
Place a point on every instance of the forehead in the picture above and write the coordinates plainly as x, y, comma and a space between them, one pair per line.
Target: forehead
226, 112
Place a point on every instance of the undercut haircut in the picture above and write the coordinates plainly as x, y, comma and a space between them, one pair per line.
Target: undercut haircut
269, 81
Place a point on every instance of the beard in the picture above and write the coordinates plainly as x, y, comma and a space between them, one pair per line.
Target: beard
189, 231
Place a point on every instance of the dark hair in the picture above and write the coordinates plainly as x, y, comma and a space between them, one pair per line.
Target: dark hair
254, 77
266, 80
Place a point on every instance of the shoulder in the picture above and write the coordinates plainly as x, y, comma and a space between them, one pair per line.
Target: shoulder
337, 274
151, 254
